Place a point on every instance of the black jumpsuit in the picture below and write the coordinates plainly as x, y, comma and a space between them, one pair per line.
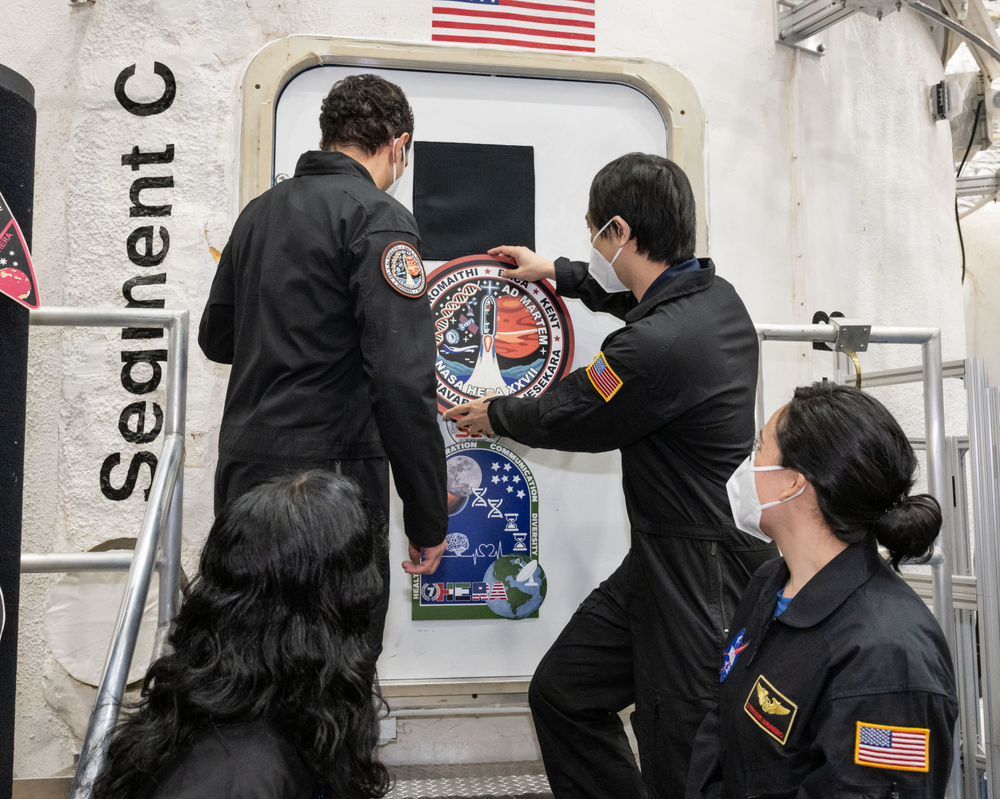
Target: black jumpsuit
332, 353
849, 692
683, 418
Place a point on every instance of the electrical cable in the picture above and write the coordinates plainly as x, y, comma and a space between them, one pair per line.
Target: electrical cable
958, 174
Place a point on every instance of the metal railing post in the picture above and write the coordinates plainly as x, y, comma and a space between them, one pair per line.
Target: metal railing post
937, 485
983, 465
119, 660
944, 610
967, 673
759, 419
160, 533
170, 544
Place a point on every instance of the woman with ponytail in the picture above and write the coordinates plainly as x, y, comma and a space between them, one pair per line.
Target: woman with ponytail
267, 691
835, 678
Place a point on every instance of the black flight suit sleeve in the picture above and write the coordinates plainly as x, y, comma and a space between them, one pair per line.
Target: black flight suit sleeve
397, 345
574, 416
833, 740
216, 334
573, 280
834, 735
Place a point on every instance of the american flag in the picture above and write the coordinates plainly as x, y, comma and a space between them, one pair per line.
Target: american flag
603, 377
903, 748
548, 25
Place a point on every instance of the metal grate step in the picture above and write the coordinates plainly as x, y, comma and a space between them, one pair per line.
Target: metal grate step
524, 780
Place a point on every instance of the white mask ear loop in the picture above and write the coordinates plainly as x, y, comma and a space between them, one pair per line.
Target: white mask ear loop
776, 469
781, 501
391, 191
628, 231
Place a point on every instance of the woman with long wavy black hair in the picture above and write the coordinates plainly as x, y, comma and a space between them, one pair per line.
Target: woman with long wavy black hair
267, 690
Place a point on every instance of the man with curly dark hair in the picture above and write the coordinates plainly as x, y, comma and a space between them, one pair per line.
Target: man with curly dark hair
318, 304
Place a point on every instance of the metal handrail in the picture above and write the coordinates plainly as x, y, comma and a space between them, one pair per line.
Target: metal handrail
930, 340
933, 382
61, 562
984, 404
158, 546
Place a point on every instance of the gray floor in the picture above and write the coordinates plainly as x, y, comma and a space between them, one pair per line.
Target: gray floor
471, 781
474, 781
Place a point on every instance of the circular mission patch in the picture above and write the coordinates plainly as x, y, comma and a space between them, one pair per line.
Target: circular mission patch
495, 334
404, 270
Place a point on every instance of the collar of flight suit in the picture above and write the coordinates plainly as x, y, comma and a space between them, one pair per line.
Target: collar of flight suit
321, 162
830, 586
682, 284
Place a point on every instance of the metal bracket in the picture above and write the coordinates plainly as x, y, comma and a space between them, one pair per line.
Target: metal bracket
852, 334
978, 185
799, 23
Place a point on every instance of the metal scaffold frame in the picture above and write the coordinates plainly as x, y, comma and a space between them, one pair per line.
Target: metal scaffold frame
969, 547
933, 383
158, 547
984, 440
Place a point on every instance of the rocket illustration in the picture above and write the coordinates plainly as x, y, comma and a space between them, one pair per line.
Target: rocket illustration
486, 374
412, 270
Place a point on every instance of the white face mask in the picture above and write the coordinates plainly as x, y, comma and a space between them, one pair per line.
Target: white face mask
603, 270
391, 191
743, 498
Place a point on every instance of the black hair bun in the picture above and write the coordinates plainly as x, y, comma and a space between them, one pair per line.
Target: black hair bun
909, 527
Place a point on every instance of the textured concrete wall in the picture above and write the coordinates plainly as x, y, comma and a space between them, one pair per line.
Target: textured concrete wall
829, 188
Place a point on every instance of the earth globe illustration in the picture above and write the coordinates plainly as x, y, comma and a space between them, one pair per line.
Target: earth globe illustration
522, 579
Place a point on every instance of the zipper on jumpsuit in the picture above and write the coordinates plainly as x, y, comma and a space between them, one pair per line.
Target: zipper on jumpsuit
718, 575
760, 641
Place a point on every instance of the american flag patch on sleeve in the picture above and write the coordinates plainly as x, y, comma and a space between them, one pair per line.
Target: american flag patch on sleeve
603, 377
899, 748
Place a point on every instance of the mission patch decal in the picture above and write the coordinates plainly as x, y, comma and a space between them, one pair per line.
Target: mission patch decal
490, 567
494, 334
17, 275
739, 643
603, 377
404, 270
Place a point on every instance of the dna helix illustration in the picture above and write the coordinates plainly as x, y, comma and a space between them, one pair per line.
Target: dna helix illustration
457, 301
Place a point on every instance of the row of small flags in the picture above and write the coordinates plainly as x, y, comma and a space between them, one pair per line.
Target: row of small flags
464, 592
565, 25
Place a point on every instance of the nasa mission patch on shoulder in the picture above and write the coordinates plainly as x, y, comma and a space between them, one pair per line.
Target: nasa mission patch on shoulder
404, 270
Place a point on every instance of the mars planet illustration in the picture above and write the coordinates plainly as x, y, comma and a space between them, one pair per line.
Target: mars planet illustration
464, 477
517, 333
14, 283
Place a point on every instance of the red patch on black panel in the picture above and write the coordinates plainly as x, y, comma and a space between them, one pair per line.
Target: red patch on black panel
404, 270
17, 275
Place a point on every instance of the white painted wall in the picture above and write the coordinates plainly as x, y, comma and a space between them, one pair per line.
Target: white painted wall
829, 188
982, 280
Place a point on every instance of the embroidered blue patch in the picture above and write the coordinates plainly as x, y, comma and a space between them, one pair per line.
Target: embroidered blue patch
733, 652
